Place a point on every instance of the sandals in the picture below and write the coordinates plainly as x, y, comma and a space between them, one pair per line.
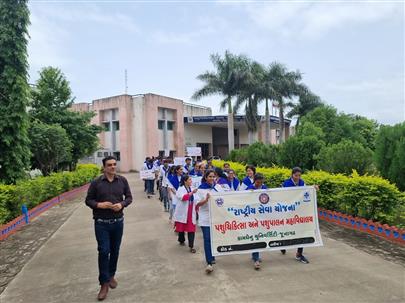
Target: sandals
192, 250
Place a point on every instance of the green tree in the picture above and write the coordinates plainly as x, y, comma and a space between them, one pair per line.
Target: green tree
50, 146
300, 151
250, 94
286, 85
14, 90
340, 126
307, 101
345, 156
225, 80
51, 99
389, 153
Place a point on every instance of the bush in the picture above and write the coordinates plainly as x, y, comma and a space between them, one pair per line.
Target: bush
258, 154
369, 197
35, 191
344, 157
300, 151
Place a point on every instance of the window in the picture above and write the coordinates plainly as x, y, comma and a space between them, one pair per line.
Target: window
170, 125
161, 153
116, 125
106, 126
106, 154
172, 154
117, 155
99, 154
161, 124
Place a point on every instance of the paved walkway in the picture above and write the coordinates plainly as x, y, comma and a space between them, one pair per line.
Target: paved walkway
154, 268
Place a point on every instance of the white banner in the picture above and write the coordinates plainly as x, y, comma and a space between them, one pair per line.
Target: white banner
147, 174
194, 151
264, 220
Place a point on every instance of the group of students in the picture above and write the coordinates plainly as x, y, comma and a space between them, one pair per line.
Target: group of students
187, 205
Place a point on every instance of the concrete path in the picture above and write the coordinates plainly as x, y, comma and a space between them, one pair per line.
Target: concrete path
154, 268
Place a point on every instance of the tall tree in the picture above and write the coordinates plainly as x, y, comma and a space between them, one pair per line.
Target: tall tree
50, 146
307, 101
250, 94
286, 85
14, 90
226, 81
51, 99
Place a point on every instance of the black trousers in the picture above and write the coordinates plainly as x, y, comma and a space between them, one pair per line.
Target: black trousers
190, 237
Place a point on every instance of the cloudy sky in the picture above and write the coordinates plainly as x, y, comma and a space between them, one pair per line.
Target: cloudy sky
351, 54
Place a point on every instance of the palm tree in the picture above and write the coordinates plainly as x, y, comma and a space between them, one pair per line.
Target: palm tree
307, 102
286, 85
250, 94
225, 80
268, 94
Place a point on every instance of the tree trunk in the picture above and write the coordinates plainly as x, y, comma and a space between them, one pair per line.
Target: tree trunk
281, 117
231, 141
267, 124
250, 137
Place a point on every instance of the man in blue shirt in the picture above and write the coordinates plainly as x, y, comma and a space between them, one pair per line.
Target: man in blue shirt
296, 180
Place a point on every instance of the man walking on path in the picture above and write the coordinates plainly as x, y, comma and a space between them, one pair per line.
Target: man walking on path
107, 196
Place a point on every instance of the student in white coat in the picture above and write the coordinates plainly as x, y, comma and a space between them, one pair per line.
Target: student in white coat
174, 184
203, 195
185, 213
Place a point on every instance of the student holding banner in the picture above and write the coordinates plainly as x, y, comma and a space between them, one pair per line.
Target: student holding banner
257, 184
296, 180
233, 182
249, 179
185, 213
148, 165
203, 195
174, 183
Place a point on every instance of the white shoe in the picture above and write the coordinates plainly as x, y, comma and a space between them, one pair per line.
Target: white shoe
209, 269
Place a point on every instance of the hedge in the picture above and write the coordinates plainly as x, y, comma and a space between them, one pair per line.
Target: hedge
369, 197
35, 191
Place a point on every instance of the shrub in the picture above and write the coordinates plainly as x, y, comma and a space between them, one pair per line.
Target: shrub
35, 191
369, 197
344, 157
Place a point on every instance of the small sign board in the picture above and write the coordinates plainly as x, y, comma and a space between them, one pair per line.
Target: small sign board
194, 151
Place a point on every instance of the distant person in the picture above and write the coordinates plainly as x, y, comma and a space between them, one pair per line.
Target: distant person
150, 181
185, 213
188, 167
164, 183
233, 181
249, 179
226, 168
174, 184
257, 184
107, 196
196, 171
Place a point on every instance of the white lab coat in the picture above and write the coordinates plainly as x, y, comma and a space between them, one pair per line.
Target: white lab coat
181, 211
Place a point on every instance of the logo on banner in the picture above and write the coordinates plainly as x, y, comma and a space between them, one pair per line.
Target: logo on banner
264, 198
307, 197
219, 202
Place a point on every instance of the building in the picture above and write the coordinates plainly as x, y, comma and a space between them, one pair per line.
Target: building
137, 126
